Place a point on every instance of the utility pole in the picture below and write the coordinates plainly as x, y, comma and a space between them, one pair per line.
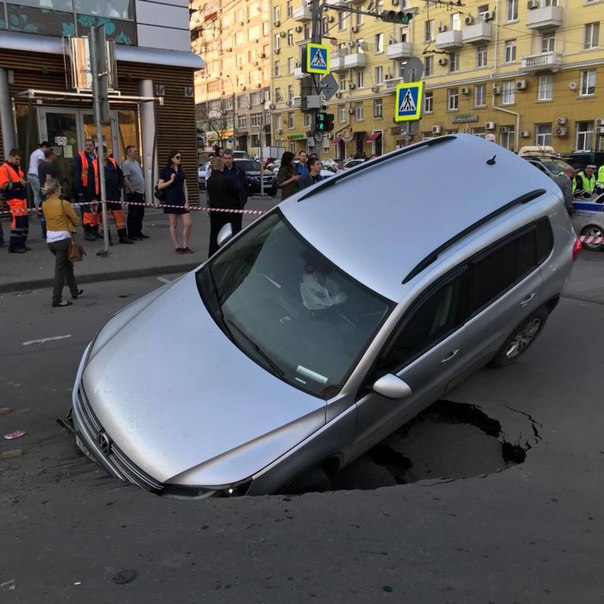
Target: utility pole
316, 38
100, 97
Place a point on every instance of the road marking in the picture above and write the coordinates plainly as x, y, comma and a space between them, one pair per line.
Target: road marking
44, 340
163, 279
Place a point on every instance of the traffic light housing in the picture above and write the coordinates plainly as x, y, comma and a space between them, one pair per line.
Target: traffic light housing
325, 121
393, 16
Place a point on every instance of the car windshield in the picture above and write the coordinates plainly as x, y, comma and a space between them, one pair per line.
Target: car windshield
248, 165
289, 308
555, 166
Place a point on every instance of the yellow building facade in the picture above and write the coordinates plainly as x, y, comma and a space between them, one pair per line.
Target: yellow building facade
523, 71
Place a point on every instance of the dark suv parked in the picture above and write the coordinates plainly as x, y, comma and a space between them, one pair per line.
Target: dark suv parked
253, 174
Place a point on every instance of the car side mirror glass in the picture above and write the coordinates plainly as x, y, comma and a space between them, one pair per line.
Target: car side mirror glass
225, 233
391, 386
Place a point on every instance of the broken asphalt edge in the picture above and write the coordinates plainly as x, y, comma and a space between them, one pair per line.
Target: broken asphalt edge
7, 288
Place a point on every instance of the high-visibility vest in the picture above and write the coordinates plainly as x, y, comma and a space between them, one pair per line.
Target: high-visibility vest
9, 174
589, 184
600, 180
95, 167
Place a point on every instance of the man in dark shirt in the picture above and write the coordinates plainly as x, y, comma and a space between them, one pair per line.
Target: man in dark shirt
222, 193
240, 181
313, 175
46, 172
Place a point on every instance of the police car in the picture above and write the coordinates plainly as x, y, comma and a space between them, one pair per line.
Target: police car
588, 220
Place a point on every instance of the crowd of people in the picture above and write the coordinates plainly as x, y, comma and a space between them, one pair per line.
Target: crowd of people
580, 184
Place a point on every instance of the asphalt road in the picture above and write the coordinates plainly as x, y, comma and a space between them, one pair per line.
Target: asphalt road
529, 532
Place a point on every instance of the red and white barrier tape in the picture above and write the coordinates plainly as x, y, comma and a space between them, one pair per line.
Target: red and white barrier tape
591, 240
155, 205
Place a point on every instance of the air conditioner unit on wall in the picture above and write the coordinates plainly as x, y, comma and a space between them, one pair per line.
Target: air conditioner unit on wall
525, 134
465, 90
443, 61
469, 20
279, 130
352, 86
354, 29
489, 15
437, 129
600, 130
338, 95
277, 23
532, 4
600, 121
561, 121
374, 89
350, 110
561, 131
521, 85
496, 89
277, 51
298, 29
282, 34
442, 29
504, 129
489, 125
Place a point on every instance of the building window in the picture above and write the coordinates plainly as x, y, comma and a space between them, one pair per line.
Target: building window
587, 83
378, 75
545, 88
290, 65
480, 95
481, 56
507, 139
508, 92
548, 41
360, 78
428, 27
358, 112
308, 120
591, 35
342, 114
479, 132
278, 97
242, 121
378, 108
543, 134
277, 69
428, 102
256, 120
290, 37
379, 43
454, 62
277, 42
509, 54
453, 99
342, 83
290, 120
276, 15
278, 122
481, 11
511, 10
456, 21
341, 21
290, 9
428, 66
290, 92
585, 136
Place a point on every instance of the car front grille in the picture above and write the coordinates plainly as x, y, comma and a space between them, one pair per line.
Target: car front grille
115, 460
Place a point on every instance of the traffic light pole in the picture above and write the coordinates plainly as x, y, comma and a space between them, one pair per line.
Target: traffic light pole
316, 38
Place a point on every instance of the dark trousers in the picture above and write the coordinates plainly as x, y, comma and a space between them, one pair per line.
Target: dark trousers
18, 233
135, 214
63, 270
217, 221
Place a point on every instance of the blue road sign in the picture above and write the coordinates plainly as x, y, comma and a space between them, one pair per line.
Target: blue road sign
317, 58
408, 101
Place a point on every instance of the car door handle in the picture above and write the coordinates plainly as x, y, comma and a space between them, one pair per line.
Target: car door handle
527, 300
450, 356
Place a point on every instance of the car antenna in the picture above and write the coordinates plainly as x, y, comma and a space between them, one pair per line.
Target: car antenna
491, 162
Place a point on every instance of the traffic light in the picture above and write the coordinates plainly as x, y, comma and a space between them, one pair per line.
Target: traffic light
393, 16
325, 122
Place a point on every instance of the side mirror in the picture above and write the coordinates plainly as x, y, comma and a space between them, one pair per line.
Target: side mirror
225, 233
391, 386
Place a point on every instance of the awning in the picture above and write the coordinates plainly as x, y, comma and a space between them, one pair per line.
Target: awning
373, 136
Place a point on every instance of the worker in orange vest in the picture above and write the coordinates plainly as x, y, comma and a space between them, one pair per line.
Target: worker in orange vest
86, 185
13, 186
114, 181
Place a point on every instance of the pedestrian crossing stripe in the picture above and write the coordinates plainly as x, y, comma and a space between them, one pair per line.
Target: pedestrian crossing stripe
316, 59
409, 100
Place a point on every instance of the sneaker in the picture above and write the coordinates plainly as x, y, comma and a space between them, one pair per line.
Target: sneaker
143, 236
187, 250
77, 294
61, 303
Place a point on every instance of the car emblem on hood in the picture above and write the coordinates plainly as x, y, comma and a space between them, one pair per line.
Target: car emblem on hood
104, 444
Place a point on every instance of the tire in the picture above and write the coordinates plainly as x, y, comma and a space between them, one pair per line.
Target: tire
315, 480
592, 230
521, 339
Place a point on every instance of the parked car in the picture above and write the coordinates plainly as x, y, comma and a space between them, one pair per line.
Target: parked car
240, 155
544, 158
588, 220
327, 323
201, 176
253, 174
580, 159
329, 164
351, 163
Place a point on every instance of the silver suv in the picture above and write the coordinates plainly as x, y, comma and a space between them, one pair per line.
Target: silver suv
327, 323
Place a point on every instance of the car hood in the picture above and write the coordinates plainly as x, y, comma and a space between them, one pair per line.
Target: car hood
182, 402
257, 173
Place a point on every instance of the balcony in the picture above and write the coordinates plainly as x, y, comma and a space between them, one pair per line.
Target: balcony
336, 62
547, 61
392, 83
399, 50
449, 39
546, 17
477, 34
299, 74
356, 60
302, 14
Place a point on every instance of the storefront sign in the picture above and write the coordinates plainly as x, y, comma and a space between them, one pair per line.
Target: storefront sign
464, 118
295, 137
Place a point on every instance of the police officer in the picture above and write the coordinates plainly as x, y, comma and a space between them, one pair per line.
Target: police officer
586, 181
86, 185
13, 185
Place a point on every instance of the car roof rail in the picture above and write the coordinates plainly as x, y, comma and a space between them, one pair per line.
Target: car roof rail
378, 160
433, 256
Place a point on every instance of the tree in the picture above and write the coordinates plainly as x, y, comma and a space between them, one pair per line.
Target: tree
215, 119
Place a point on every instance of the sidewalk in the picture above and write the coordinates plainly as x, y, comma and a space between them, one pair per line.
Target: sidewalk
153, 256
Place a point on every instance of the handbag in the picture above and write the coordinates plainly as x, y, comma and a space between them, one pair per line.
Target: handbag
75, 252
160, 194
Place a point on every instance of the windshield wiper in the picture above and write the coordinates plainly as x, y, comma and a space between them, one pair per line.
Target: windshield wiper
219, 312
276, 369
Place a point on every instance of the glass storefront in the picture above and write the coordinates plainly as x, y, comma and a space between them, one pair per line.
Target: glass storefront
71, 18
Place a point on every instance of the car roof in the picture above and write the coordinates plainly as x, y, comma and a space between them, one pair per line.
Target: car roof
378, 221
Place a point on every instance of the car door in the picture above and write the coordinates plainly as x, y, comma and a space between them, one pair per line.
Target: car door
426, 350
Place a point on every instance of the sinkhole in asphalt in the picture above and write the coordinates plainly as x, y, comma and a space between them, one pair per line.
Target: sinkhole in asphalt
447, 441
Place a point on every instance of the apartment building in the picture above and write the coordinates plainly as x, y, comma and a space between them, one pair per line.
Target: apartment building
232, 92
525, 71
45, 81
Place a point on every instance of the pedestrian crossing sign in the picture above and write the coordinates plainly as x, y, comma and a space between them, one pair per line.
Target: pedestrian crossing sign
317, 59
408, 104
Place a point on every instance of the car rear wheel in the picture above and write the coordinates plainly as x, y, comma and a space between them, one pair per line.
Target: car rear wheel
521, 339
315, 480
592, 230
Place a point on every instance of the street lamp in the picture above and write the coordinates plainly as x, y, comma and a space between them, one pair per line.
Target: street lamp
233, 108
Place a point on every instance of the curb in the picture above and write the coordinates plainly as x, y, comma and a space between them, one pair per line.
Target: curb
8, 288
